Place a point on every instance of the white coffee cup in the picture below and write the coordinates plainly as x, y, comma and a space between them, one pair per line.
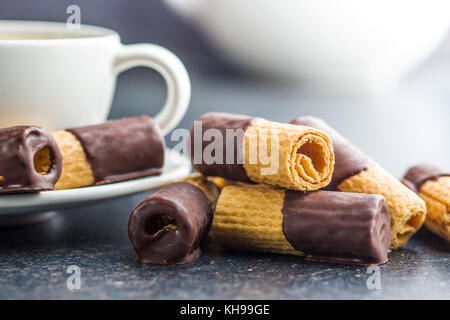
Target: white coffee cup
57, 77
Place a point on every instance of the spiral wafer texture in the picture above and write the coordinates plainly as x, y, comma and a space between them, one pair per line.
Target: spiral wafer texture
305, 156
248, 149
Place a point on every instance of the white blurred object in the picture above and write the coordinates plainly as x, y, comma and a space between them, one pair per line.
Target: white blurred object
345, 47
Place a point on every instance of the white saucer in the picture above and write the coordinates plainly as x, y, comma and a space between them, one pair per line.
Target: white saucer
30, 208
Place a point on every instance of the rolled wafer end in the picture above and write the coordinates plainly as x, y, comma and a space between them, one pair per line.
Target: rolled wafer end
289, 156
406, 209
30, 160
349, 159
433, 186
167, 227
247, 149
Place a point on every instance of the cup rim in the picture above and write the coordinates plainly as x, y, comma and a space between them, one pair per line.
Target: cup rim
85, 33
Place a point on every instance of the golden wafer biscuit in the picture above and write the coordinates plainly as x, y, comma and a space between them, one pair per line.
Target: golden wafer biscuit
406, 209
433, 186
354, 171
76, 170
250, 218
246, 149
305, 156
335, 227
116, 150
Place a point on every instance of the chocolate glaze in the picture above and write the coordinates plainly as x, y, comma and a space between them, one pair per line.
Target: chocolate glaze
349, 159
338, 227
416, 176
180, 204
122, 149
222, 121
18, 146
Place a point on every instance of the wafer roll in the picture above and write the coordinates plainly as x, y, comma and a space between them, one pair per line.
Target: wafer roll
30, 160
336, 227
211, 186
433, 186
247, 149
113, 151
168, 226
354, 171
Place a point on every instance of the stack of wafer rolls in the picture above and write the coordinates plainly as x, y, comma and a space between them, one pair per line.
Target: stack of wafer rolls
433, 186
354, 171
243, 148
30, 160
168, 226
327, 226
113, 151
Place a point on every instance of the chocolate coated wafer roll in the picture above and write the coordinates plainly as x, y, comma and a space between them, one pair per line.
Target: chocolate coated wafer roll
328, 226
242, 148
30, 160
113, 151
354, 171
433, 186
168, 226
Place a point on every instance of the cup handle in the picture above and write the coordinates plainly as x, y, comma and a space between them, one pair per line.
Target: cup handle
174, 73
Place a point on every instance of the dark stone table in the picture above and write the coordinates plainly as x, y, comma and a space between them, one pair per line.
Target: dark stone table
406, 127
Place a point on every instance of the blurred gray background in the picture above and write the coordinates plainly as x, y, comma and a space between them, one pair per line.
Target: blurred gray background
139, 21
